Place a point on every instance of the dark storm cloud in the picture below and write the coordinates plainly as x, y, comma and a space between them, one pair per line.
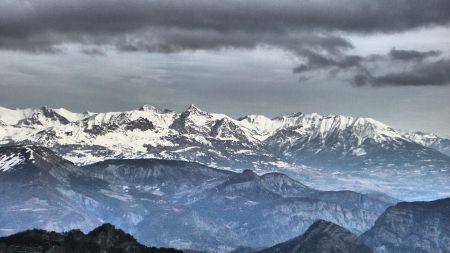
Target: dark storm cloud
422, 67
317, 61
176, 40
408, 55
435, 73
313, 31
174, 25
340, 61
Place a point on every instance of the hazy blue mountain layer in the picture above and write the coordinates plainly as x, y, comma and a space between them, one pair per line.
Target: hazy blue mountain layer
170, 203
321, 237
412, 227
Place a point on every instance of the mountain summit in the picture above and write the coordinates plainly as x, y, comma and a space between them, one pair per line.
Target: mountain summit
322, 237
170, 203
105, 238
350, 146
412, 227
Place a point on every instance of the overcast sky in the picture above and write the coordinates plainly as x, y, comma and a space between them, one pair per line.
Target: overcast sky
386, 59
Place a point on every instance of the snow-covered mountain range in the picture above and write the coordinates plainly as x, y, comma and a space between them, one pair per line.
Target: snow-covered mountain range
351, 149
430, 140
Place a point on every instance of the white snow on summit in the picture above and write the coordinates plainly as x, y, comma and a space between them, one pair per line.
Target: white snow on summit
135, 133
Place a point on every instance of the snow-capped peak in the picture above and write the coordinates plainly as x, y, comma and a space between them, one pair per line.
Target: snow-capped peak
150, 108
71, 116
262, 126
38, 116
314, 124
422, 138
172, 134
12, 116
430, 140
193, 108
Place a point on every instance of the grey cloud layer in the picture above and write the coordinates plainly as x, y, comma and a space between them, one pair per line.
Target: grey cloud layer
39, 25
311, 30
318, 61
435, 73
407, 55
422, 67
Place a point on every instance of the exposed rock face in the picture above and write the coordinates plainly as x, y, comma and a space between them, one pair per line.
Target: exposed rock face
362, 153
103, 239
321, 237
430, 140
176, 204
414, 227
141, 124
42, 116
33, 181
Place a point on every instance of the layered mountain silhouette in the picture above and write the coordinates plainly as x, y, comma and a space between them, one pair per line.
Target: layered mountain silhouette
187, 205
175, 204
413, 227
407, 227
321, 237
360, 153
103, 239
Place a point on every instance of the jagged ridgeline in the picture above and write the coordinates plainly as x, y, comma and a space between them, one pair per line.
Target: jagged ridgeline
190, 206
103, 239
167, 203
412, 227
321, 237
361, 153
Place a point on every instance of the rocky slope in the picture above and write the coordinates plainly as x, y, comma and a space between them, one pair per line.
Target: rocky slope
321, 237
412, 227
103, 239
211, 138
430, 140
359, 153
170, 203
32, 182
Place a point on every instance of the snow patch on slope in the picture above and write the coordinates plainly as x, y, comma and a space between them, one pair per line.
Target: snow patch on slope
164, 131
8, 162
